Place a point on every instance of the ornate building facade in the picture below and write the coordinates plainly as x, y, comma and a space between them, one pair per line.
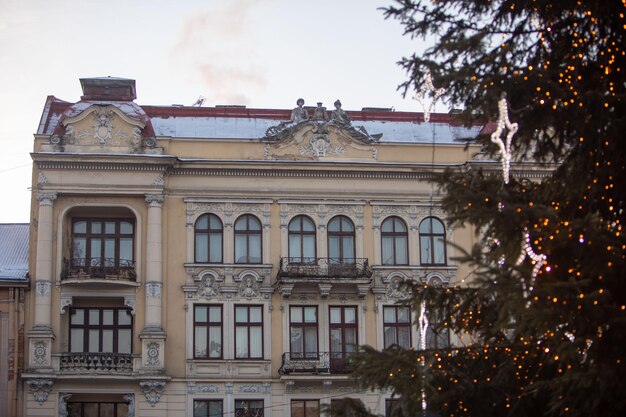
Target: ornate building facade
191, 261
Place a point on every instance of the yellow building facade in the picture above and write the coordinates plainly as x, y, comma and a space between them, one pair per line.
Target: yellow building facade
191, 261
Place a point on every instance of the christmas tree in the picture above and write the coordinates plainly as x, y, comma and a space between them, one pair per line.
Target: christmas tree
542, 321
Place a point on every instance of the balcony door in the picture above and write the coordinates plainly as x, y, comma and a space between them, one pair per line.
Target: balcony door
343, 336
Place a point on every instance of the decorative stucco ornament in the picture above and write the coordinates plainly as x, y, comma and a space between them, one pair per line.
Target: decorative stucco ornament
152, 390
103, 127
505, 145
428, 95
40, 388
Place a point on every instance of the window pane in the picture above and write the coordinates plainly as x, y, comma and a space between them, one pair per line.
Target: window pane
425, 252
215, 314
241, 314
425, 226
439, 250
310, 314
335, 340
296, 343
309, 247
333, 225
335, 315
241, 223
215, 222
202, 247
201, 314
109, 228
94, 316
241, 252
78, 317
294, 225
95, 251
401, 250
349, 336
96, 227
256, 342
308, 225
254, 223
437, 226
202, 222
124, 340
348, 247
389, 314
387, 249
333, 247
390, 336
400, 226
79, 251
80, 227
216, 247
310, 337
77, 340
387, 226
294, 246
404, 315
350, 315
94, 341
241, 337
296, 314
107, 410
126, 228
215, 342
109, 252
255, 249
107, 317
256, 314
126, 251
200, 348
107, 341
404, 337
346, 225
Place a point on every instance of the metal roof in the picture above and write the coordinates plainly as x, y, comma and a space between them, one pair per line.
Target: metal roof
14, 251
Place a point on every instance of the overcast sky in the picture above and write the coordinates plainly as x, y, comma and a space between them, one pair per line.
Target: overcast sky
260, 53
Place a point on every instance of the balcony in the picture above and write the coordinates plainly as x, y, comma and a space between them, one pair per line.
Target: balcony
337, 363
105, 363
324, 268
98, 268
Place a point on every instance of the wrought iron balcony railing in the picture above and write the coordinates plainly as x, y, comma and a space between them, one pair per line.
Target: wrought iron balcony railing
104, 268
79, 362
315, 363
324, 268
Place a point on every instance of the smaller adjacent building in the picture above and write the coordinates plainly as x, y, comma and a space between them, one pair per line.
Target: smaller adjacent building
14, 281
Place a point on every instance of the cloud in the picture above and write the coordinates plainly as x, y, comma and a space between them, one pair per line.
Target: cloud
216, 49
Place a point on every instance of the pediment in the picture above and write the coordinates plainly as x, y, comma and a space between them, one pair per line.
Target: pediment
319, 140
102, 129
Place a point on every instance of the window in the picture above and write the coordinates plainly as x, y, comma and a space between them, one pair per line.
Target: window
106, 330
248, 332
301, 240
102, 245
303, 332
394, 242
343, 336
207, 324
248, 408
247, 240
432, 242
436, 338
397, 326
97, 409
208, 408
208, 239
305, 408
393, 408
341, 240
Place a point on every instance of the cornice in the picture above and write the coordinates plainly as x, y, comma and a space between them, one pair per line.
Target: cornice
297, 173
107, 162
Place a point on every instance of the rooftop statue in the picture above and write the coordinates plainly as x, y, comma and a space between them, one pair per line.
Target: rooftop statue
320, 112
339, 116
299, 114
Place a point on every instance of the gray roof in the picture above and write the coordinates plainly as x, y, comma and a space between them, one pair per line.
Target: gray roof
14, 251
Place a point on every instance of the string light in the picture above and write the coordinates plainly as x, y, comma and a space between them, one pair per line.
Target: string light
505, 145
428, 95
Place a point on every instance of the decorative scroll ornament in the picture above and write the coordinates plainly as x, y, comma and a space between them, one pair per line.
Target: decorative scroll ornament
505, 145
428, 95
102, 126
40, 354
152, 390
40, 388
538, 259
152, 358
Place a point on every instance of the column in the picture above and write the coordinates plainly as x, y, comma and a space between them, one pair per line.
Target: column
153, 337
41, 335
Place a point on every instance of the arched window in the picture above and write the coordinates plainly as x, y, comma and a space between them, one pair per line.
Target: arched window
301, 240
394, 242
432, 242
341, 240
248, 244
208, 239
